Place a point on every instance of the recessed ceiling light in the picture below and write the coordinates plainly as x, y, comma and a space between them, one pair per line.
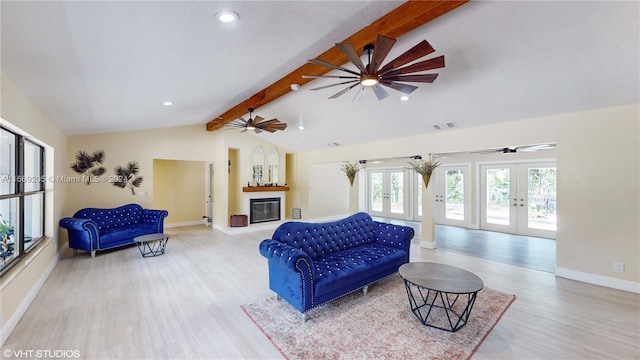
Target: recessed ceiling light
404, 98
167, 103
301, 127
227, 16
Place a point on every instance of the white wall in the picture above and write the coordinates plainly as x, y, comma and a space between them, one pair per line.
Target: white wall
191, 143
598, 158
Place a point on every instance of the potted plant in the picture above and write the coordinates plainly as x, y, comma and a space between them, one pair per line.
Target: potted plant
6, 230
350, 170
425, 168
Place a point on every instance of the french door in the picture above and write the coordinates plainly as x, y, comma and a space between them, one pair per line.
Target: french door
519, 198
452, 195
388, 193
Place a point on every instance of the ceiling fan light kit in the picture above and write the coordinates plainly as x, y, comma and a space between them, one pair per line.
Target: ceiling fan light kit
394, 74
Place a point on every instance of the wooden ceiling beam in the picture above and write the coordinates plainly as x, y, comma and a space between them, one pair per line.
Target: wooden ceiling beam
403, 19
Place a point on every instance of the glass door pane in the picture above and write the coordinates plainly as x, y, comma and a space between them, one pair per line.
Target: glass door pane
419, 197
396, 192
454, 195
376, 192
541, 209
497, 193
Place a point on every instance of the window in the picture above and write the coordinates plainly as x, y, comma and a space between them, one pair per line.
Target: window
272, 167
257, 163
21, 197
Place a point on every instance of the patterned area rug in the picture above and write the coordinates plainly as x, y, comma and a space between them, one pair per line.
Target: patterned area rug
378, 325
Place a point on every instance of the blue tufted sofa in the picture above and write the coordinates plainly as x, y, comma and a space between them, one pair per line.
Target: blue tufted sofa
313, 263
93, 229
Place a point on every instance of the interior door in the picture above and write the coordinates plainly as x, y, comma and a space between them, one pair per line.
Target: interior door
519, 198
387, 193
209, 193
452, 195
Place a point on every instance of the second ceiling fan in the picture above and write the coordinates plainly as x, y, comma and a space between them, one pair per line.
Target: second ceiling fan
391, 75
257, 124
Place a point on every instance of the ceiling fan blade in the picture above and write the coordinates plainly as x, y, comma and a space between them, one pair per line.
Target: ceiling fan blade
435, 63
275, 127
244, 130
269, 123
242, 119
380, 51
404, 88
423, 48
343, 91
348, 50
532, 148
341, 83
423, 78
324, 63
329, 76
257, 120
380, 92
257, 130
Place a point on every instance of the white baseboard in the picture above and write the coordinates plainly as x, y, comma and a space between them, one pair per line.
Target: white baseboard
12, 321
428, 244
600, 280
185, 223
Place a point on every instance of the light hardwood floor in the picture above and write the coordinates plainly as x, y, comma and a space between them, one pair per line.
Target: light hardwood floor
186, 304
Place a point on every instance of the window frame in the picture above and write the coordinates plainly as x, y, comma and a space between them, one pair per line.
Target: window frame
20, 194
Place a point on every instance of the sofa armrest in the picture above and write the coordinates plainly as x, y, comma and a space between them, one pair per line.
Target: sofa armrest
290, 273
397, 236
83, 233
151, 216
283, 254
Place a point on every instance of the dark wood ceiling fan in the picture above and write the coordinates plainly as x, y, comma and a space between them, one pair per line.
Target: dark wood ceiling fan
257, 124
393, 75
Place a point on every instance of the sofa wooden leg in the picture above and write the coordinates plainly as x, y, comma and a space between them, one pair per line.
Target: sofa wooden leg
365, 290
75, 251
93, 254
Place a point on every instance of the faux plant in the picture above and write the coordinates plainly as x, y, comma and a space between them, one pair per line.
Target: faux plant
350, 170
6, 230
425, 168
127, 176
89, 165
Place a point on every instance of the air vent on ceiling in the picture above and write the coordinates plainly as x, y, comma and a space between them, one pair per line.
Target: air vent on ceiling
447, 125
334, 144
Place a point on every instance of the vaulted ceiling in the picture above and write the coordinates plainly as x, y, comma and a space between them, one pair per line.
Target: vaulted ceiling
108, 66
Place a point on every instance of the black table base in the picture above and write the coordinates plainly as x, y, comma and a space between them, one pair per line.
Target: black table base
153, 247
423, 302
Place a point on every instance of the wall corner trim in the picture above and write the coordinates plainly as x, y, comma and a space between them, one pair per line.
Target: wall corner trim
605, 281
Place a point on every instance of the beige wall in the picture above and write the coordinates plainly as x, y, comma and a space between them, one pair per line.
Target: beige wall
179, 188
598, 159
20, 284
191, 143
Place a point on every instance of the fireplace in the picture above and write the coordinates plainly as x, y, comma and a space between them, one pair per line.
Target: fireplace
264, 210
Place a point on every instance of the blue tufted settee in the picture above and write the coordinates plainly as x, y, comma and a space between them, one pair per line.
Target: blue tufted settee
313, 263
93, 229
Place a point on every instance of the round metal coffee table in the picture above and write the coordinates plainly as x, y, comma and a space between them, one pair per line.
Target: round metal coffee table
434, 291
152, 244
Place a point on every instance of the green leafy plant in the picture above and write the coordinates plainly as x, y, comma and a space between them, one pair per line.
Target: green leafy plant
127, 176
89, 165
6, 230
